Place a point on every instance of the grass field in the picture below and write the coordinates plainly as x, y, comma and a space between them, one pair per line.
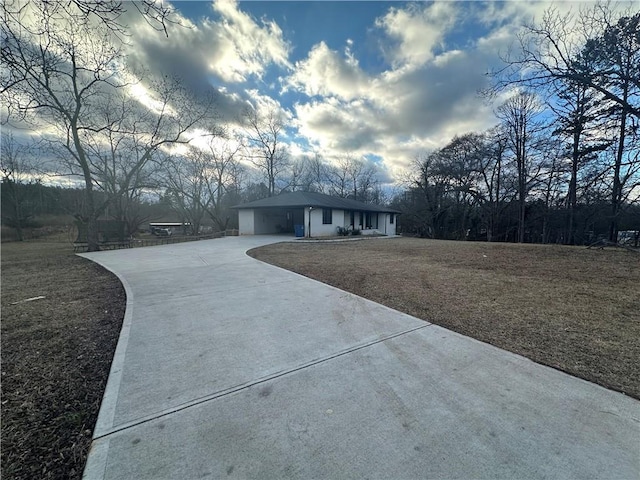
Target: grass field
571, 308
56, 354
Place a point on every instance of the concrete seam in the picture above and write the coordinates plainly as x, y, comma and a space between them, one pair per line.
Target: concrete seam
244, 386
344, 292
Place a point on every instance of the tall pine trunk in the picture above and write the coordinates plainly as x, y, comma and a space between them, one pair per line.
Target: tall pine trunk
616, 194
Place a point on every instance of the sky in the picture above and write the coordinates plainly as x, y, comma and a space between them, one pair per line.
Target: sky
384, 81
380, 80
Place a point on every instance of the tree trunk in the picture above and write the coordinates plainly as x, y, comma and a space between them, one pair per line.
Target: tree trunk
522, 180
573, 185
521, 200
616, 194
93, 243
18, 211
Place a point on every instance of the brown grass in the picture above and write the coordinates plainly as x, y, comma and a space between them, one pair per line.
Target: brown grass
56, 354
571, 308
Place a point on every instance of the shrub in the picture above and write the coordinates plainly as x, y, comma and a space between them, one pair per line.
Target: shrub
8, 234
355, 231
343, 231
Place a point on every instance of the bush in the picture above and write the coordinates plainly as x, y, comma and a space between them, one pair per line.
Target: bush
8, 234
355, 231
343, 231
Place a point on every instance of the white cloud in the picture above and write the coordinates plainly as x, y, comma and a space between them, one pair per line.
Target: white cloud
247, 46
223, 54
325, 72
419, 31
427, 96
232, 48
429, 92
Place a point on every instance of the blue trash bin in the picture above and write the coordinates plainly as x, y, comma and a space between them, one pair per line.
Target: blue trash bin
299, 229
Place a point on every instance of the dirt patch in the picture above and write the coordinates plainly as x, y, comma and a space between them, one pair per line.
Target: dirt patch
56, 355
571, 308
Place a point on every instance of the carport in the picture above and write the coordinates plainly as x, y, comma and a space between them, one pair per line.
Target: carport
270, 220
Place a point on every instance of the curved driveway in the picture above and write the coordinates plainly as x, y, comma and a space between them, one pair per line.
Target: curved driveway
230, 367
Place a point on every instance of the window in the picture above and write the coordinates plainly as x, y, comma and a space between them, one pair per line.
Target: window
352, 217
391, 218
327, 216
372, 220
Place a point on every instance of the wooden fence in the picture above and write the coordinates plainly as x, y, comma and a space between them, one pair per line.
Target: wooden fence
149, 242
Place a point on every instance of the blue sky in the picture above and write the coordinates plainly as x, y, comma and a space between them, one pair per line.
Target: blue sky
379, 80
385, 81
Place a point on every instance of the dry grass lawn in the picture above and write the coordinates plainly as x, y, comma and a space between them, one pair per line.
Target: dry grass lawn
571, 308
56, 354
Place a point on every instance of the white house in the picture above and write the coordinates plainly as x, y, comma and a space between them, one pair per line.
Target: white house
311, 214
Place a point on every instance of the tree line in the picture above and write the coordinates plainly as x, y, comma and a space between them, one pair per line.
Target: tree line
562, 165
470, 190
197, 187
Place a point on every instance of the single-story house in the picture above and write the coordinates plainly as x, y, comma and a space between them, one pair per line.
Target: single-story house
313, 214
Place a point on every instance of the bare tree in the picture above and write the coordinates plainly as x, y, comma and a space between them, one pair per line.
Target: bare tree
297, 175
60, 73
266, 149
352, 177
547, 52
431, 189
124, 157
338, 178
186, 187
362, 176
459, 163
519, 115
596, 50
56, 69
550, 188
492, 189
316, 174
223, 176
18, 168
110, 13
200, 181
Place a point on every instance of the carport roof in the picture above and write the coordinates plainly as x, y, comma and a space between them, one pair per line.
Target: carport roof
316, 200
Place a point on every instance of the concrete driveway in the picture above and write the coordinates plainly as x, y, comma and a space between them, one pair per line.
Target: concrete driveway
231, 368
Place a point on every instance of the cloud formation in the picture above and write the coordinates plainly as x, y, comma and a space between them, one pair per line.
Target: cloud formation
420, 90
218, 55
418, 30
427, 94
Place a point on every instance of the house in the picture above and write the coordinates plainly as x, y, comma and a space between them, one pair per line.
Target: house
313, 214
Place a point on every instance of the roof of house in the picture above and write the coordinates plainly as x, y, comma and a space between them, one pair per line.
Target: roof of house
316, 200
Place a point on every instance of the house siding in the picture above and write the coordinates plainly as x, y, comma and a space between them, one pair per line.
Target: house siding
387, 227
246, 222
318, 229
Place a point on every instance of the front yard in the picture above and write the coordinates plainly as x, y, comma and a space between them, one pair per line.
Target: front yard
571, 308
